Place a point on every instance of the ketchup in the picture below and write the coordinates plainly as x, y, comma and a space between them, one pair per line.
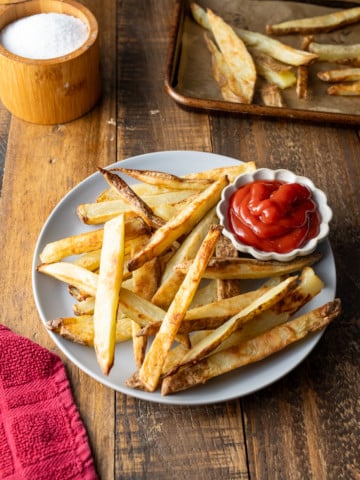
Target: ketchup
274, 216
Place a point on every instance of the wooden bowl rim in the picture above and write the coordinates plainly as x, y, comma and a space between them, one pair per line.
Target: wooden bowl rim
84, 14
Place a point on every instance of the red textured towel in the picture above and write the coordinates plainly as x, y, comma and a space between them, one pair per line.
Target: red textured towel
42, 436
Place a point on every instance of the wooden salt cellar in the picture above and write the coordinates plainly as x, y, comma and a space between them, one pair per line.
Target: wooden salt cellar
53, 90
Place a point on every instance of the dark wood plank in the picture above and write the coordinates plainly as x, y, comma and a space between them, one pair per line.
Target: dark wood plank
305, 425
148, 119
203, 442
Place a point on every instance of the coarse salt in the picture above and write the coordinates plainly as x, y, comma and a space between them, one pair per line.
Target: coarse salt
44, 35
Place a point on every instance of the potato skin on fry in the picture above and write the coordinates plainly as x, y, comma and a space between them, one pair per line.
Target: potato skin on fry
252, 350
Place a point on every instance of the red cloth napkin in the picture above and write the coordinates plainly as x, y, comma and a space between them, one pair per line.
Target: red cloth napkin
42, 436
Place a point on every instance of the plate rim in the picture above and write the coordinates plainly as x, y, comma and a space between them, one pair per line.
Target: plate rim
191, 397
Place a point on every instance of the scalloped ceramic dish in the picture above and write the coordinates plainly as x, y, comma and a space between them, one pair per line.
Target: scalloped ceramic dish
284, 176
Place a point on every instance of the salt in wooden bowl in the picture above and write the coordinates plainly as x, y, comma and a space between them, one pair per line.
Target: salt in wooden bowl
54, 90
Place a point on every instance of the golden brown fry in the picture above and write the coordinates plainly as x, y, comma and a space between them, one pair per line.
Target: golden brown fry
107, 293
214, 314
84, 306
248, 268
99, 212
252, 350
271, 95
344, 89
246, 314
171, 278
179, 225
89, 260
164, 179
340, 75
309, 286
153, 363
200, 16
264, 44
319, 24
73, 245
302, 83
145, 283
205, 294
221, 72
227, 288
71, 274
230, 171
237, 57
138, 205
273, 71
337, 53
278, 50
210, 315
80, 329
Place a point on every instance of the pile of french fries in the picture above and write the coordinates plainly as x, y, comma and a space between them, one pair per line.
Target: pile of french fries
239, 57
156, 270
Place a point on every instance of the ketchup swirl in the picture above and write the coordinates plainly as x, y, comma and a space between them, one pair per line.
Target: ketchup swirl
274, 216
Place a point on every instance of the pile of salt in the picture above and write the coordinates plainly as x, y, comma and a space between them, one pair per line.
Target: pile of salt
44, 35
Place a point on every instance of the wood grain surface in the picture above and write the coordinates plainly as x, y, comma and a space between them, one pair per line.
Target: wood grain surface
306, 425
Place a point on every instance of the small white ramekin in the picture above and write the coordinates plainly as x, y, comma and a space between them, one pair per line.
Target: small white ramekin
284, 176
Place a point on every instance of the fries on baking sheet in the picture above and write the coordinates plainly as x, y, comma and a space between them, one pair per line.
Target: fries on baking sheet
279, 66
184, 301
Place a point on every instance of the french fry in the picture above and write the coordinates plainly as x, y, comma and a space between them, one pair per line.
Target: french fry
80, 329
308, 287
200, 15
226, 288
211, 315
151, 368
222, 73
137, 203
145, 283
73, 245
107, 293
273, 71
171, 278
96, 213
278, 50
337, 53
344, 89
141, 189
264, 44
205, 294
231, 172
248, 268
302, 82
271, 95
180, 224
237, 57
89, 260
254, 308
302, 77
164, 179
252, 350
71, 274
84, 306
340, 75
318, 24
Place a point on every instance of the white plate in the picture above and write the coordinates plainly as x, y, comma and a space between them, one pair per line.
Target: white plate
52, 299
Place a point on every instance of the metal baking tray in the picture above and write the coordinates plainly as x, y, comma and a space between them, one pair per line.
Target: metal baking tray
189, 80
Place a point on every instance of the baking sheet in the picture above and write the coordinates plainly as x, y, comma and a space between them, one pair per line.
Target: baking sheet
189, 80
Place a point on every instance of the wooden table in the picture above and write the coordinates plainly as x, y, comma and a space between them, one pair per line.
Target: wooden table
306, 425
